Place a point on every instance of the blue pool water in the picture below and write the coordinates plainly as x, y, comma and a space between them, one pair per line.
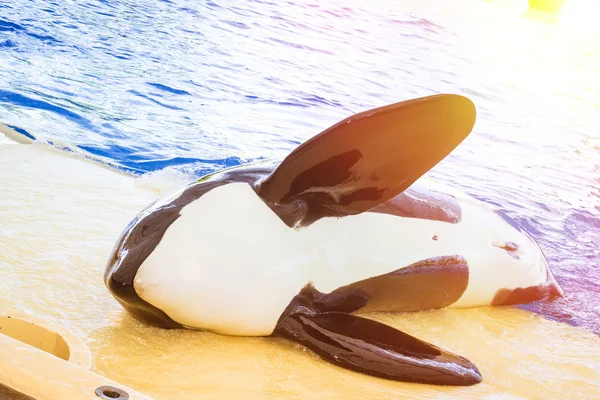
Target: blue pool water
198, 86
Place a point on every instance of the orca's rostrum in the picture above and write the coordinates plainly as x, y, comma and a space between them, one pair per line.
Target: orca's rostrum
344, 225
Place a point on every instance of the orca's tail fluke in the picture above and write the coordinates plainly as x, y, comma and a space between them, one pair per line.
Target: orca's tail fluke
376, 349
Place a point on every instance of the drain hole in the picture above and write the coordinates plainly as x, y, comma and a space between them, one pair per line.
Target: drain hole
111, 392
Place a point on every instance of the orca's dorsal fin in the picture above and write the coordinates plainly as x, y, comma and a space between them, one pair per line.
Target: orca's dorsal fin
376, 349
372, 156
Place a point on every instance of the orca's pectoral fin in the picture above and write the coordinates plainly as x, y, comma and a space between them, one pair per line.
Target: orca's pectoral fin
376, 349
370, 157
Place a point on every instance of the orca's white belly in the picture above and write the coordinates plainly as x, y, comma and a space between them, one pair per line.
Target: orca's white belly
229, 264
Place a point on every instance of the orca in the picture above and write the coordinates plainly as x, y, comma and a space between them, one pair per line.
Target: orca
345, 224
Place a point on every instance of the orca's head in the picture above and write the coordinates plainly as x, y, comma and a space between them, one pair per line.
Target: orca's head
530, 259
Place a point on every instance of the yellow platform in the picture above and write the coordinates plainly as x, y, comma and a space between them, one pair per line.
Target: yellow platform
60, 217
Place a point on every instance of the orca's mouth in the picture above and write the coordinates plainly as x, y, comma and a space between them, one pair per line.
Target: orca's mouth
552, 286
